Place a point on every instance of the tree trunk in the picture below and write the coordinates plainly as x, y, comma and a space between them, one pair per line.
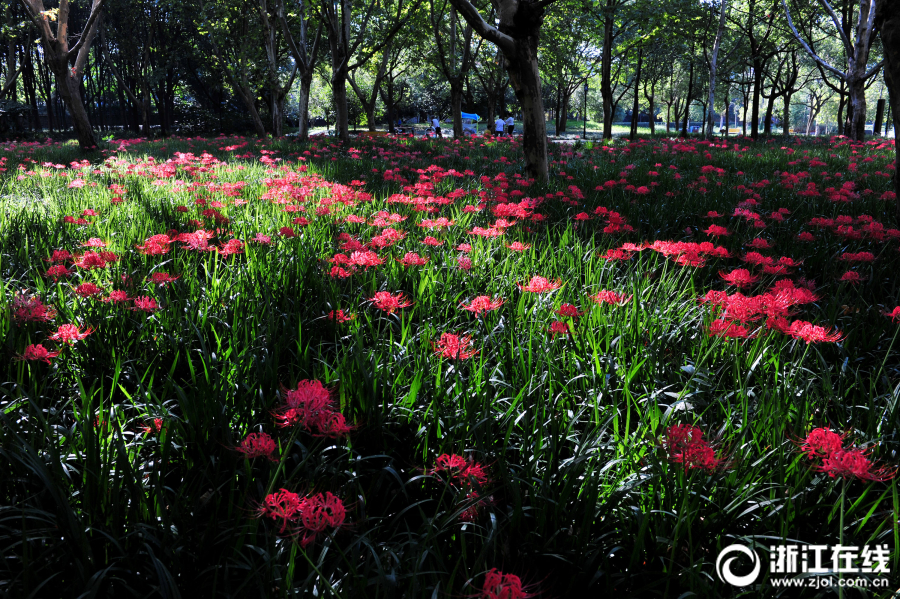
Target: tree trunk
879, 118
303, 106
456, 93
855, 126
563, 113
690, 95
757, 91
606, 75
711, 106
652, 109
840, 116
525, 76
767, 121
637, 82
786, 120
339, 90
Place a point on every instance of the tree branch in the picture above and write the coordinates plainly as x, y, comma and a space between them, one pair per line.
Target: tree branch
488, 32
87, 33
806, 47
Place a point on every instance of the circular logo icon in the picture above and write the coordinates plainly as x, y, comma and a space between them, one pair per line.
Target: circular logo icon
724, 569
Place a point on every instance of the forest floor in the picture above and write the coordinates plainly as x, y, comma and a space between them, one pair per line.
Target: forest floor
247, 367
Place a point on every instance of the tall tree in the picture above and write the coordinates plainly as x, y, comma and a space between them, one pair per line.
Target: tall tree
517, 35
305, 55
67, 62
856, 52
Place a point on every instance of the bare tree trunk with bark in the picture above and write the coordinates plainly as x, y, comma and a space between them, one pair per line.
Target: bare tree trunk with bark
58, 54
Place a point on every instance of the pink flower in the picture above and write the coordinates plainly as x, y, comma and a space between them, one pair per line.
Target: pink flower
454, 347
813, 333
257, 445
610, 297
145, 304
38, 352
540, 285
483, 304
383, 300
498, 585
822, 442
70, 333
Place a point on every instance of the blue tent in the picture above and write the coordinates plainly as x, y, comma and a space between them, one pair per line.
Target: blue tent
467, 115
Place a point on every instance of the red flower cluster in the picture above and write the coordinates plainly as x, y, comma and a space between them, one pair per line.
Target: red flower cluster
470, 477
31, 309
482, 304
540, 285
454, 347
306, 516
837, 461
257, 445
685, 445
309, 406
610, 297
38, 352
383, 300
498, 585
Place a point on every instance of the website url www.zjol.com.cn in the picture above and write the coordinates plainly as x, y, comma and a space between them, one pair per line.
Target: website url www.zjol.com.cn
808, 566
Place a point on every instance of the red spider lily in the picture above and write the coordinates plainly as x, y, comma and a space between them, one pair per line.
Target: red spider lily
822, 442
262, 239
498, 585
283, 505
154, 426
145, 304
464, 263
58, 272
759, 244
894, 314
230, 247
413, 259
257, 445
310, 407
432, 241
540, 285
460, 470
287, 232
558, 327
383, 300
813, 333
59, 256
855, 463
86, 290
38, 352
483, 304
156, 245
464, 247
31, 309
517, 246
340, 316
851, 276
454, 347
365, 258
857, 257
616, 254
717, 231
117, 297
70, 333
685, 445
740, 277
569, 310
94, 242
163, 278
729, 329
610, 297
806, 236
318, 512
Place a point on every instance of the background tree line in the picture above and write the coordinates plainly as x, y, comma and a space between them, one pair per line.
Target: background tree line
158, 66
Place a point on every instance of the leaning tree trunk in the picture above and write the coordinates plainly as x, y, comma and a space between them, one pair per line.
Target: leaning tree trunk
339, 92
605, 78
767, 120
757, 92
636, 106
71, 96
690, 96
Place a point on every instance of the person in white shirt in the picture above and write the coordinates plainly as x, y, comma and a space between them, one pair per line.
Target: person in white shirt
510, 125
499, 125
437, 127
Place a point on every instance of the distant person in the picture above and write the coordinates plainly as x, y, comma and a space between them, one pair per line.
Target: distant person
510, 125
436, 125
499, 126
